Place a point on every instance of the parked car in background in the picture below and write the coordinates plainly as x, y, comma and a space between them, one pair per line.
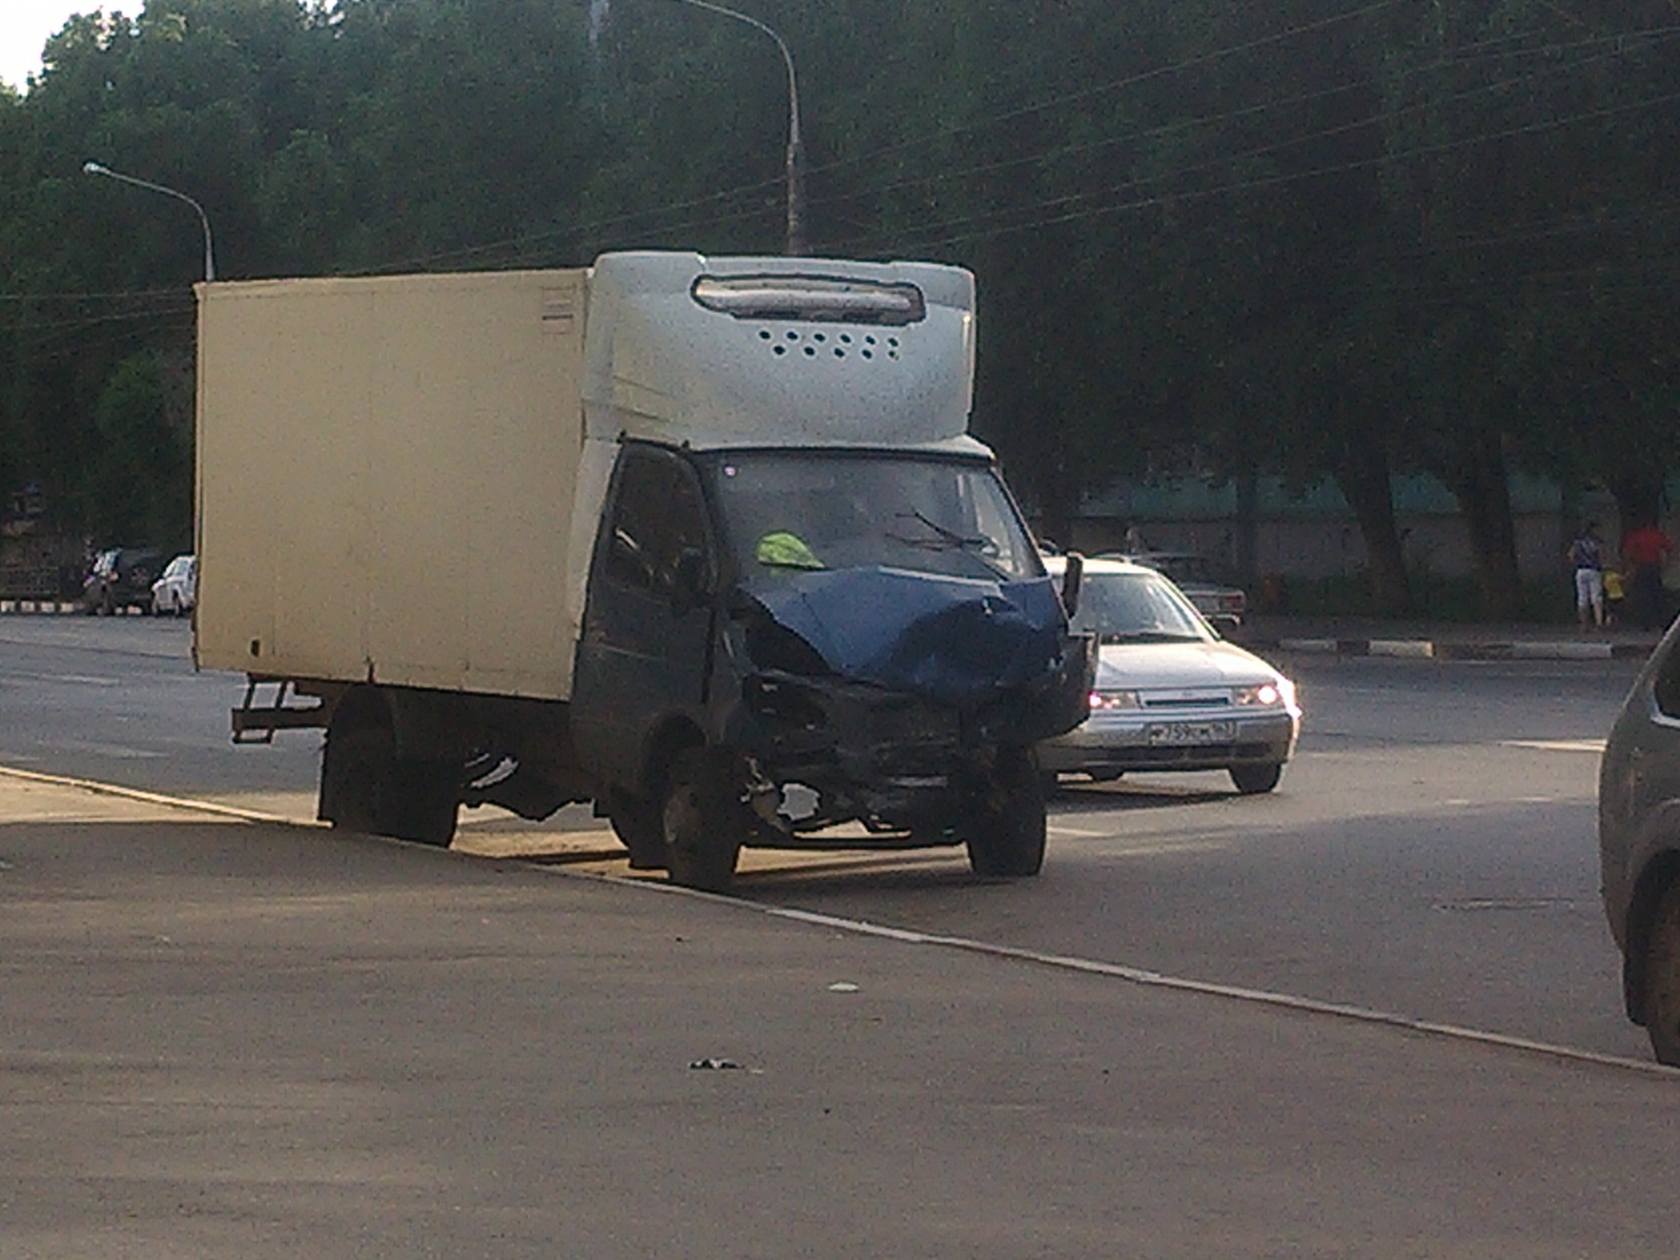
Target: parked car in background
1170, 693
177, 590
1639, 846
1221, 602
121, 578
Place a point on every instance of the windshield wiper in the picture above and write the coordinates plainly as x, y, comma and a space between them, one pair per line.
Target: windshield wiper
951, 536
947, 539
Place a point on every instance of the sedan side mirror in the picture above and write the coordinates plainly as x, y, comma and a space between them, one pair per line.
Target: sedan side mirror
1072, 579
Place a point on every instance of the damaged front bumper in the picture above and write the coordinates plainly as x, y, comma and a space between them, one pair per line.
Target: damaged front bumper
827, 750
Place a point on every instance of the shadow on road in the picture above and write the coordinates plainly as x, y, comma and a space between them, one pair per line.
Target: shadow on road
1086, 798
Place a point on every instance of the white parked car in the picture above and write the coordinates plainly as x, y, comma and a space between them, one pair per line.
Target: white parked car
177, 590
1170, 693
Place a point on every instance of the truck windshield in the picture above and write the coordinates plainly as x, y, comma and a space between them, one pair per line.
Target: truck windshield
788, 512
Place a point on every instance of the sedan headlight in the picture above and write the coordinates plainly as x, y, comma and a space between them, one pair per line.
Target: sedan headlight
1108, 701
1265, 695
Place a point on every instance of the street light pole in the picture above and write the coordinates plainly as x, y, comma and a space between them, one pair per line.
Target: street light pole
94, 168
796, 243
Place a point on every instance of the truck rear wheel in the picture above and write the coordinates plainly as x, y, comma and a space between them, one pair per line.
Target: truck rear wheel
701, 827
366, 787
1006, 834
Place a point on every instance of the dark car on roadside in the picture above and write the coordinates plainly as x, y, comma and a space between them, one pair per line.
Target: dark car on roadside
121, 578
1639, 846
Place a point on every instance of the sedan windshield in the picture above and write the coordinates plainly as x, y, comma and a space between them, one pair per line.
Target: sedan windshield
1136, 608
829, 510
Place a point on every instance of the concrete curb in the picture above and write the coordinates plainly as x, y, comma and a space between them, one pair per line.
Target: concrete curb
1452, 650
39, 607
1139, 976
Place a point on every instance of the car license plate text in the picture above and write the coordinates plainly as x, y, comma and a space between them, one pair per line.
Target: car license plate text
1189, 734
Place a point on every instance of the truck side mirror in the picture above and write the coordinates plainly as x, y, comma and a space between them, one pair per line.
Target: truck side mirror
689, 586
1072, 579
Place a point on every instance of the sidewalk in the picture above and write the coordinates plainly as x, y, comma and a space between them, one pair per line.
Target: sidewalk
266, 1041
1371, 636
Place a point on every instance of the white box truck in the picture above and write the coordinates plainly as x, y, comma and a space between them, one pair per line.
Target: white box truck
702, 540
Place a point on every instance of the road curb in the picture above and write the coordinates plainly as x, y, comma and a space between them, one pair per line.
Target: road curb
1139, 976
36, 607
1455, 650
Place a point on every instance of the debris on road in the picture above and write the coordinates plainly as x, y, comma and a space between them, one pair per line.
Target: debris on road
715, 1065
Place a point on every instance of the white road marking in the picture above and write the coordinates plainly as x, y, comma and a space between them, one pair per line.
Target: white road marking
1556, 745
1064, 962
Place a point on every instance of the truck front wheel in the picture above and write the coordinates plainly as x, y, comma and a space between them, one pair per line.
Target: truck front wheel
640, 827
1006, 833
366, 787
701, 826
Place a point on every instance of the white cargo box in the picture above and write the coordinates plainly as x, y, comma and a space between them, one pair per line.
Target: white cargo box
386, 476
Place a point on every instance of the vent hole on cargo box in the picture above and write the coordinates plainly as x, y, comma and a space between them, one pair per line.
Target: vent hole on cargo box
892, 354
764, 334
839, 353
779, 349
792, 336
810, 352
819, 337
893, 342
869, 341
845, 339
868, 354
256, 647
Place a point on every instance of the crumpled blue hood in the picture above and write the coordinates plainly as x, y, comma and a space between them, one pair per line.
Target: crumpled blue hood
958, 641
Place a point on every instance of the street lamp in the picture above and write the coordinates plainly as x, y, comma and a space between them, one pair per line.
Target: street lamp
795, 148
94, 168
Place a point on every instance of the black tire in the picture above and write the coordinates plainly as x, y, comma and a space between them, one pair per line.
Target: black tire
1662, 978
700, 825
640, 829
1006, 835
1251, 780
365, 787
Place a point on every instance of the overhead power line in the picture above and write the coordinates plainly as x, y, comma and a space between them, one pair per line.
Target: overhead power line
1299, 176
572, 231
1222, 160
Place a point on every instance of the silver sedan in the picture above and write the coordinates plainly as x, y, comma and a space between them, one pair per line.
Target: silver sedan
1170, 693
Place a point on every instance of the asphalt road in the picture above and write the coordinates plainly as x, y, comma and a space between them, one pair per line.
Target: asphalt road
261, 1041
1430, 852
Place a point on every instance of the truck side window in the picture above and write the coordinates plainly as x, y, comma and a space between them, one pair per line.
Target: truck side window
658, 515
1666, 689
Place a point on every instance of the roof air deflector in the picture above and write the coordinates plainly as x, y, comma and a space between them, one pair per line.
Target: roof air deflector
833, 299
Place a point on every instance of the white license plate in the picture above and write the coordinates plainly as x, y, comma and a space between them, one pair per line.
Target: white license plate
1189, 734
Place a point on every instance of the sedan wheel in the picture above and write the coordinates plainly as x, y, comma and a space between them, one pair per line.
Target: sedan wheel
1254, 779
1662, 979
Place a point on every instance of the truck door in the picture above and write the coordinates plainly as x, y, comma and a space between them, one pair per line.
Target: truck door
643, 654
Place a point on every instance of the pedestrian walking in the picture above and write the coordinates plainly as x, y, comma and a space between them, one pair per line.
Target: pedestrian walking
1645, 550
1586, 557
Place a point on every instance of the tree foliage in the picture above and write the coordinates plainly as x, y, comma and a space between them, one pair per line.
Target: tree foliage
1320, 238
